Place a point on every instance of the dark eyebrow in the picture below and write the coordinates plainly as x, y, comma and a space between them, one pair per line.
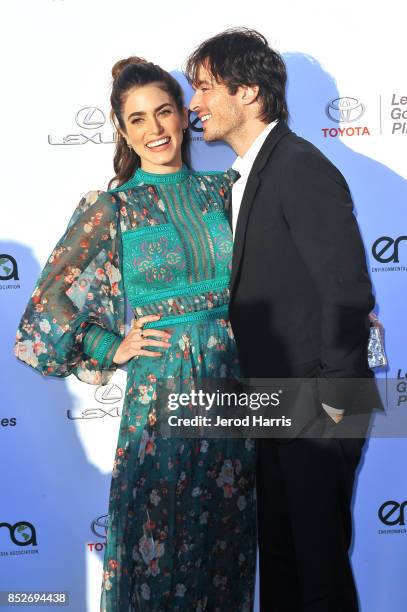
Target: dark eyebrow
200, 83
141, 113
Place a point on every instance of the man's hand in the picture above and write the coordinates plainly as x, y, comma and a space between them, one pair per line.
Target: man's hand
334, 413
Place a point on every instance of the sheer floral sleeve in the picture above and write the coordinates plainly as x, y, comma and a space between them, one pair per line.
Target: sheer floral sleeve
74, 320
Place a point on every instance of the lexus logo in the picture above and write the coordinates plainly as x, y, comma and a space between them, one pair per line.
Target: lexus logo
386, 249
90, 118
345, 110
108, 394
105, 395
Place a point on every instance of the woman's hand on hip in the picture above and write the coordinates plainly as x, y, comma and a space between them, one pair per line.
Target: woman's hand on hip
136, 341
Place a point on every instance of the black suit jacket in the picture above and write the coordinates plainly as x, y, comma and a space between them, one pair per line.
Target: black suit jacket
300, 290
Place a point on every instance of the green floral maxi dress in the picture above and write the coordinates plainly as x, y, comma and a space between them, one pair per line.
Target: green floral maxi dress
181, 530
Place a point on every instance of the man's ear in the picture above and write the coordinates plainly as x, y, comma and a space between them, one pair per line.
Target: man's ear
248, 93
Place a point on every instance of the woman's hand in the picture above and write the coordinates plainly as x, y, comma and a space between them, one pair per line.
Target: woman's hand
135, 341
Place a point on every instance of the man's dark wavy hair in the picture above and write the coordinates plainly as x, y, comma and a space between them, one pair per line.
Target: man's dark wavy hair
241, 56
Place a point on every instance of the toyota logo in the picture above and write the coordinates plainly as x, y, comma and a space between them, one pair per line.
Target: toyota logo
345, 110
90, 118
99, 526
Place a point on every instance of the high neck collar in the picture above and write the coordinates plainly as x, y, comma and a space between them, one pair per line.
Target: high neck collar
151, 178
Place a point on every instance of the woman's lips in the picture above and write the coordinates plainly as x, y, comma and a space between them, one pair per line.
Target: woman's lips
161, 144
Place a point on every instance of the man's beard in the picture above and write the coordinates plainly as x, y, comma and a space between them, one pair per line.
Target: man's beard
215, 134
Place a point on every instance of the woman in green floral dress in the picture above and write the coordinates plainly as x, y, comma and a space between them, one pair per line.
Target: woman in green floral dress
181, 533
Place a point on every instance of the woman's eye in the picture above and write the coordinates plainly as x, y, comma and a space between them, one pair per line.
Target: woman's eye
137, 120
166, 111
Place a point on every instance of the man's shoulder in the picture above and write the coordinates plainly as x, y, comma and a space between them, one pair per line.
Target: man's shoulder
298, 148
295, 154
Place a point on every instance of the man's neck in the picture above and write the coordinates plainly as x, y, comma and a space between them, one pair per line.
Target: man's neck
242, 140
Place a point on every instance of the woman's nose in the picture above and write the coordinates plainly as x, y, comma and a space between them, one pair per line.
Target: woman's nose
155, 126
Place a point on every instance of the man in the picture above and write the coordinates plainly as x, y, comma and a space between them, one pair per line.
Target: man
300, 300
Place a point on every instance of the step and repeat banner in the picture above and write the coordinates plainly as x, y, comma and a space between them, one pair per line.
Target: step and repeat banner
347, 94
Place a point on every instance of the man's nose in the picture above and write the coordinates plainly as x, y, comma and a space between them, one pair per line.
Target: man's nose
194, 103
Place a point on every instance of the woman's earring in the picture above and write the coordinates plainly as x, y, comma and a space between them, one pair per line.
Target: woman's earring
129, 145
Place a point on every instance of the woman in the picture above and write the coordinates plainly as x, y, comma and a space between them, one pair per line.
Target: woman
181, 533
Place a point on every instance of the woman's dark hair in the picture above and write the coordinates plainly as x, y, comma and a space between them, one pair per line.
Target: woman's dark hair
136, 72
240, 56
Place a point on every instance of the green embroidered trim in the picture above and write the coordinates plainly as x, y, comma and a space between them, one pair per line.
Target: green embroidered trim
221, 238
111, 352
208, 249
185, 282
93, 333
193, 236
207, 172
152, 178
215, 216
213, 284
102, 349
191, 317
170, 197
145, 272
139, 232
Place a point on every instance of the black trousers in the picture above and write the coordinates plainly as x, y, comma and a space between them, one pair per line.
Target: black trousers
304, 493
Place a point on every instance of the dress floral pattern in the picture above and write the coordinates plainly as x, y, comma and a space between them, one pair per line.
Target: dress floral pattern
182, 527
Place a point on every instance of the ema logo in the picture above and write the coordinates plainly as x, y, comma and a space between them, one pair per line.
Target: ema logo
87, 118
345, 110
195, 126
386, 249
21, 533
8, 267
392, 513
193, 121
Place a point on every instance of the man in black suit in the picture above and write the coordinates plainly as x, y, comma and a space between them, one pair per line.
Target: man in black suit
300, 300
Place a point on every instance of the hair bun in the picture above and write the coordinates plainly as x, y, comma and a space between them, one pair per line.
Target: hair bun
123, 63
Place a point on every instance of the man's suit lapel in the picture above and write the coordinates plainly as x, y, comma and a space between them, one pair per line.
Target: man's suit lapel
252, 185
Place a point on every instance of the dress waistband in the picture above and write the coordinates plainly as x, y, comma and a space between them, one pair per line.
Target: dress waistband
219, 312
